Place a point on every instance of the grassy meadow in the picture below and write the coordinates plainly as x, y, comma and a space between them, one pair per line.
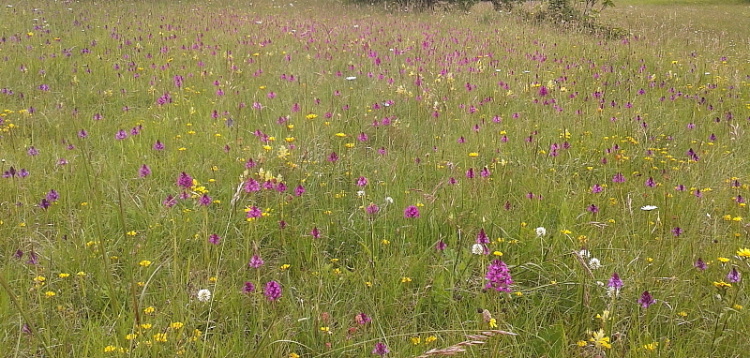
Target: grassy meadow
315, 179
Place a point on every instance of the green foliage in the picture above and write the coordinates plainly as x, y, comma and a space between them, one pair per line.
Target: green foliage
482, 122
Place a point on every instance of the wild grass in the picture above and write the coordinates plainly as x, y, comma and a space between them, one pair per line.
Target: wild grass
167, 169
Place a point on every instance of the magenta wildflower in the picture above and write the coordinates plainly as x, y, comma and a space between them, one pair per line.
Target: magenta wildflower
250, 163
646, 300
144, 171
253, 212
484, 172
699, 264
204, 200
362, 137
314, 232
733, 275
280, 187
482, 238
52, 195
255, 262
440, 245
361, 318
592, 208
299, 190
380, 349
371, 209
272, 291
267, 185
184, 181
542, 91
121, 134
33, 259
32, 151
10, 173
251, 185
214, 239
411, 211
692, 155
248, 287
614, 282
333, 157
18, 254
650, 182
676, 231
498, 276
618, 178
158, 146
169, 201
44, 204
361, 181
470, 173
596, 188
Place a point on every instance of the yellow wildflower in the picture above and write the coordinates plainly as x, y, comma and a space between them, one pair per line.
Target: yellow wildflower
160, 337
651, 346
599, 340
721, 284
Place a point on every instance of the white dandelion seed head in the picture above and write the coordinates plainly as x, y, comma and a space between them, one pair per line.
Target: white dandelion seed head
541, 231
389, 200
595, 264
360, 193
204, 295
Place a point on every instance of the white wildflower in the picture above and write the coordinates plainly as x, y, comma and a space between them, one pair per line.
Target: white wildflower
477, 249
